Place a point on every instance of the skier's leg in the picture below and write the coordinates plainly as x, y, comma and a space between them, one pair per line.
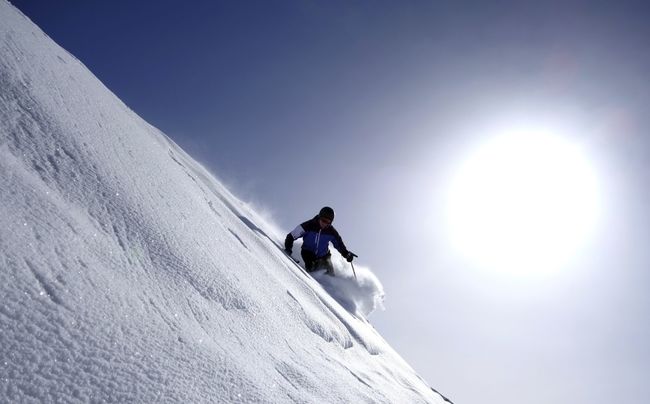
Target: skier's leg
309, 258
326, 263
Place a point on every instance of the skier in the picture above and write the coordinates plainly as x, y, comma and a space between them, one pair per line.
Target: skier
317, 234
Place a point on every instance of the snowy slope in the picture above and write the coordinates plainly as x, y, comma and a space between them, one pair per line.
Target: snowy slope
129, 274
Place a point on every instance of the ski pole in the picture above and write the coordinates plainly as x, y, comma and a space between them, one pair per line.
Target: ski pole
353, 271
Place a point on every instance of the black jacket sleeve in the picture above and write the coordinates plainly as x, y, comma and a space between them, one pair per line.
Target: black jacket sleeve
288, 242
340, 245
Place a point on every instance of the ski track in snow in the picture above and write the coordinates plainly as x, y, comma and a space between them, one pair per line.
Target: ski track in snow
130, 274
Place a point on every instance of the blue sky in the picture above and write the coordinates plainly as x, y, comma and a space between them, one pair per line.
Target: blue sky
365, 106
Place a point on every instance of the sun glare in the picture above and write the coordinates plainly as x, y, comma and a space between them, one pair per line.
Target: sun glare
523, 204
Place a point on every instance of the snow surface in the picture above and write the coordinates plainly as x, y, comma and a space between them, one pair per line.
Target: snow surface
129, 274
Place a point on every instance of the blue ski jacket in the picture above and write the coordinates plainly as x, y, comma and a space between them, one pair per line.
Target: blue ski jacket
316, 239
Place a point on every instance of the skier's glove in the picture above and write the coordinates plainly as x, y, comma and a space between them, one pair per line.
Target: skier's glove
349, 257
288, 251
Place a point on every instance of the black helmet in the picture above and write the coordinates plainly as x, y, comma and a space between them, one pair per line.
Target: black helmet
327, 213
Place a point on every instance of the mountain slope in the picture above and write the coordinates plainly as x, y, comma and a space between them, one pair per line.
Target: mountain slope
129, 274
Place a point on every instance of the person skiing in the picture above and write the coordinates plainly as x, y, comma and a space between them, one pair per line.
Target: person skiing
317, 233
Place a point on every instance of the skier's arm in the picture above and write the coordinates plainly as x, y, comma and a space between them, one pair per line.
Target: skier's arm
295, 234
340, 245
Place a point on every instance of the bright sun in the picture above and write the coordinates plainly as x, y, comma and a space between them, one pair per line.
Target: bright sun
523, 203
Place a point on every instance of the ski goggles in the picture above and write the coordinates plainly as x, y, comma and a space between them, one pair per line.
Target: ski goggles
325, 220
